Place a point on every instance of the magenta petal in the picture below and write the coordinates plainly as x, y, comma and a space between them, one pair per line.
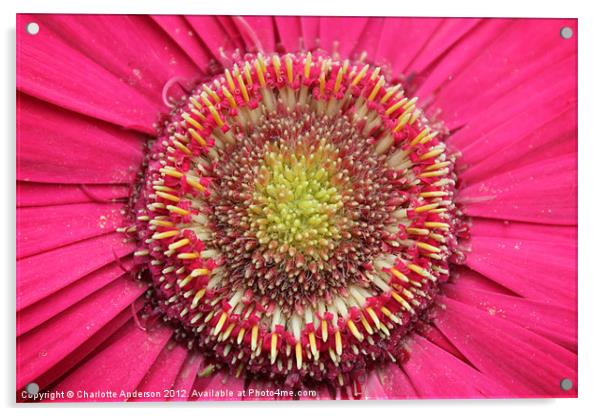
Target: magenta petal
46, 345
394, 383
129, 354
257, 32
55, 303
524, 362
289, 32
89, 346
310, 28
341, 33
31, 194
434, 77
544, 192
186, 376
40, 275
446, 36
49, 134
413, 34
184, 36
436, 374
551, 321
538, 270
512, 64
540, 127
163, 373
44, 228
214, 35
51, 69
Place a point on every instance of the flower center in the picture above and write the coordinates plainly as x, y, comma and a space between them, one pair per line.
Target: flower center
296, 218
297, 199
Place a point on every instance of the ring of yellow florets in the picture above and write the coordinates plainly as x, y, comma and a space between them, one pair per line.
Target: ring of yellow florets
296, 218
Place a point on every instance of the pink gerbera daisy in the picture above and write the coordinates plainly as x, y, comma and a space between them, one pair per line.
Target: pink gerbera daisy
215, 207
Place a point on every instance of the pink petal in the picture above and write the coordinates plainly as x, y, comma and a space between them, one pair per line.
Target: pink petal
543, 192
434, 77
41, 229
540, 127
394, 382
186, 376
215, 35
86, 348
40, 275
289, 32
450, 33
46, 345
524, 362
412, 33
436, 374
74, 148
53, 68
558, 234
551, 321
183, 35
55, 303
310, 28
257, 32
341, 33
120, 365
538, 270
31, 194
163, 373
513, 64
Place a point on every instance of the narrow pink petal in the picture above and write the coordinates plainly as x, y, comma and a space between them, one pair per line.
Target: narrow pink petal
341, 33
114, 41
257, 32
52, 69
394, 383
56, 145
129, 355
451, 32
433, 335
562, 235
434, 77
524, 362
310, 28
163, 373
32, 194
512, 64
88, 347
46, 345
214, 35
289, 32
40, 275
186, 376
481, 282
538, 270
185, 37
551, 321
543, 192
369, 39
436, 374
41, 229
52, 305
412, 33
528, 125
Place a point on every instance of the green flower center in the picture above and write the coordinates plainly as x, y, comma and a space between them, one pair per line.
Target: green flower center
299, 197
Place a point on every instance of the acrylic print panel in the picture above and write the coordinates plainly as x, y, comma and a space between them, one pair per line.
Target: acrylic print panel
242, 208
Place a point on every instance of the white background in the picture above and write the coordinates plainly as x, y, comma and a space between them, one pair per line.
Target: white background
590, 202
